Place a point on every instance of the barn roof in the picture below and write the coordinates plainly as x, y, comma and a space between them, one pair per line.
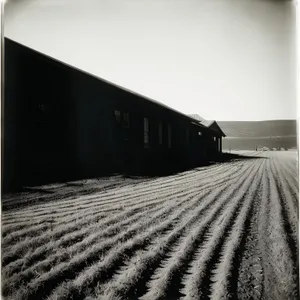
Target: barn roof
211, 124
197, 117
107, 81
202, 121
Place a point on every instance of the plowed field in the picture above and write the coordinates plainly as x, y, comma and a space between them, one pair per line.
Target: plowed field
226, 231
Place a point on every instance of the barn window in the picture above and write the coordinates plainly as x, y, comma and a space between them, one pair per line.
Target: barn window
118, 115
199, 133
160, 139
42, 107
146, 132
215, 138
126, 120
169, 136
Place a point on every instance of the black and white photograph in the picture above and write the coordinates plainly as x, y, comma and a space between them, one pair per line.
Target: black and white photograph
149, 150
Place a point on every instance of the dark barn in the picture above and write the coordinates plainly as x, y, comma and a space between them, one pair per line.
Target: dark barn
61, 123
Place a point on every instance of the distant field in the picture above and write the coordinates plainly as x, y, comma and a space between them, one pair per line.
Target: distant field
251, 143
244, 135
281, 128
226, 231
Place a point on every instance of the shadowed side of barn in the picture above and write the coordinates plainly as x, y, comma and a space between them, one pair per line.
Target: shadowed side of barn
61, 124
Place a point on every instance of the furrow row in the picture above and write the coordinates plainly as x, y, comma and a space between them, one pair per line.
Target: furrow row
289, 185
45, 229
91, 235
77, 240
144, 230
280, 283
82, 283
287, 200
59, 231
140, 188
225, 277
198, 281
99, 202
166, 280
131, 282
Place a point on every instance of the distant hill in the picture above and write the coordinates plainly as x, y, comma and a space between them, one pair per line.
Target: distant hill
243, 135
248, 129
257, 143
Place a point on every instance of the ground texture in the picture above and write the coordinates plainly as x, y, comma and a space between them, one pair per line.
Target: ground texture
226, 231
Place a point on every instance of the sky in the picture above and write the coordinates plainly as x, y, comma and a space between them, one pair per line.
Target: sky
221, 59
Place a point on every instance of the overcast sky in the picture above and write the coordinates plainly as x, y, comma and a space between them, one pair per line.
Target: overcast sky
222, 59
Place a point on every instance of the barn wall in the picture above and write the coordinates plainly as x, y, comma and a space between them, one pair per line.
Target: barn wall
156, 157
11, 120
36, 113
60, 124
92, 132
